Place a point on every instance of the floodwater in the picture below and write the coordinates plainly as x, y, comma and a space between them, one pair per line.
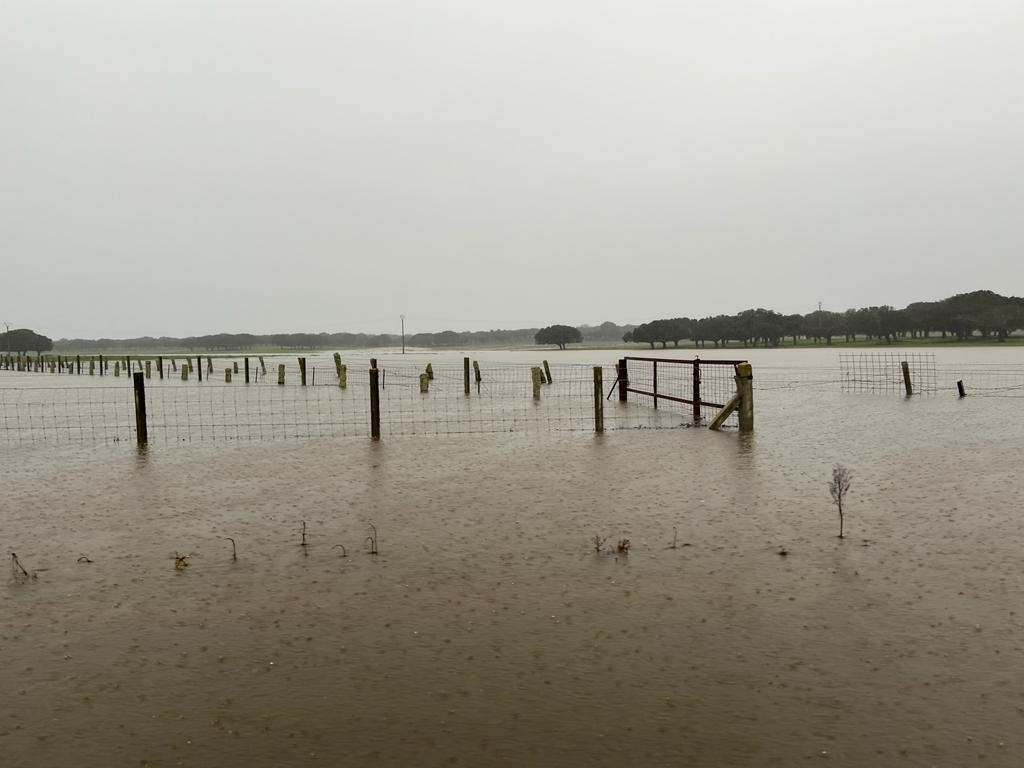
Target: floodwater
487, 631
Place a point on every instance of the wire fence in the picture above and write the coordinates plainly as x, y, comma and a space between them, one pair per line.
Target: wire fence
40, 407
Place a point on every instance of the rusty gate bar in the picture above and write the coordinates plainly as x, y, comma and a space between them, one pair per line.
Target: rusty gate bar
697, 401
696, 389
655, 383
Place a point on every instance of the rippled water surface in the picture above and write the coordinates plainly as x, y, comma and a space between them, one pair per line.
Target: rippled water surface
488, 631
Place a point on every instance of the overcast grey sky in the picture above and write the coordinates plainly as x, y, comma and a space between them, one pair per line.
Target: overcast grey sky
183, 167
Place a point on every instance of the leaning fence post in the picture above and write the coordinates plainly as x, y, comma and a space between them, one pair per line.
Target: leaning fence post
140, 408
547, 371
374, 405
623, 379
430, 371
302, 371
537, 376
465, 374
745, 389
960, 388
263, 366
696, 390
476, 375
598, 400
280, 373
906, 378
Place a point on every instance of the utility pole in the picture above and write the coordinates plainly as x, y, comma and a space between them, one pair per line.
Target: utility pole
403, 333
7, 336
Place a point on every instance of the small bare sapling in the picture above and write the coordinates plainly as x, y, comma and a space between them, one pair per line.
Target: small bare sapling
840, 488
372, 540
598, 542
18, 571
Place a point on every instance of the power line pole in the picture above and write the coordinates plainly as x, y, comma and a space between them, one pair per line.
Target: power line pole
403, 333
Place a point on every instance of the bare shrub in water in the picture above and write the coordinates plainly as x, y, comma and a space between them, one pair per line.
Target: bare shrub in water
840, 488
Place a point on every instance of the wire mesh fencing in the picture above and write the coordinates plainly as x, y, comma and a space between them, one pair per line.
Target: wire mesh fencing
502, 400
882, 372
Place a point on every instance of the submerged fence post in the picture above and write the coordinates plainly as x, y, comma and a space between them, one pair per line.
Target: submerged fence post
117, 367
280, 373
227, 375
78, 364
424, 383
374, 404
623, 379
141, 430
906, 378
547, 371
149, 369
247, 370
430, 371
342, 376
537, 377
302, 371
960, 388
476, 375
263, 366
160, 367
655, 383
745, 389
598, 399
337, 363
199, 367
696, 390
101, 365
465, 374
184, 371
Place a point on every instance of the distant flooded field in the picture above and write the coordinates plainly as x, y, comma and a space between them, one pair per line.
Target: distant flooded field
488, 630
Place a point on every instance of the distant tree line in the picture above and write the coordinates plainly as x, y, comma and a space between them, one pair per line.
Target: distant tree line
607, 331
981, 313
24, 340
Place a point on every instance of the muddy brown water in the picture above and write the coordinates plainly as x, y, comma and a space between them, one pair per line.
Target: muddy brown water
488, 632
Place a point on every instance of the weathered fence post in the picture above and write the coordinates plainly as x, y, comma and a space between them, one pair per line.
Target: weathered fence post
92, 367
654, 381
174, 365
342, 376
160, 367
337, 364
696, 390
537, 376
149, 369
476, 375
302, 371
199, 367
547, 371
623, 379
227, 375
465, 374
78, 364
906, 378
374, 404
247, 370
234, 366
424, 383
141, 430
960, 388
598, 399
117, 367
184, 371
209, 365
280, 373
263, 366
430, 371
745, 389
101, 365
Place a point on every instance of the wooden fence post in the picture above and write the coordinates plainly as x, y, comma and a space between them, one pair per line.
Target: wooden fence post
537, 377
160, 367
78, 364
263, 366
623, 379
101, 365
117, 367
430, 371
598, 399
547, 371
280, 373
745, 389
209, 365
141, 429
149, 369
960, 388
906, 378
374, 405
696, 390
199, 367
465, 374
247, 370
184, 371
227, 375
476, 375
342, 376
424, 383
302, 371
